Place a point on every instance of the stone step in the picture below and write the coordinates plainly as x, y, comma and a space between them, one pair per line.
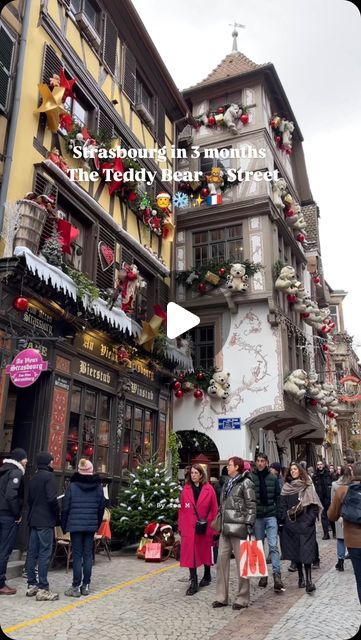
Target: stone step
14, 569
15, 555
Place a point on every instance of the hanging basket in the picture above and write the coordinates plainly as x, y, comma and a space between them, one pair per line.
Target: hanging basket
31, 224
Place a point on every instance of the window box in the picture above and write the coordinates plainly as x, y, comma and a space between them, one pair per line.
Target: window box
143, 112
88, 29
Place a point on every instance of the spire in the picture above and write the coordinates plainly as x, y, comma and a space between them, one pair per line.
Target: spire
235, 34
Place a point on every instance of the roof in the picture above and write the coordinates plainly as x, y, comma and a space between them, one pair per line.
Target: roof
234, 64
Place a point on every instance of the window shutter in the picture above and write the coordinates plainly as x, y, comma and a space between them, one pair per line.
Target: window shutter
129, 74
105, 126
44, 186
51, 64
161, 124
105, 279
7, 48
110, 38
127, 256
161, 293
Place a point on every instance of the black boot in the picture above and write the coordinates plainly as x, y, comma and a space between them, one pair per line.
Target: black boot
339, 565
293, 566
207, 579
193, 587
309, 584
301, 577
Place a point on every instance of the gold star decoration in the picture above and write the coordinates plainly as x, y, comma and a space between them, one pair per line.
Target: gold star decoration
150, 332
52, 105
199, 200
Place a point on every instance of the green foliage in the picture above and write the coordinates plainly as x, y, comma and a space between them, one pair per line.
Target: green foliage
174, 445
214, 267
84, 286
52, 249
277, 268
151, 496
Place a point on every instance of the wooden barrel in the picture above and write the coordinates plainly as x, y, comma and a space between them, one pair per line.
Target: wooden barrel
31, 225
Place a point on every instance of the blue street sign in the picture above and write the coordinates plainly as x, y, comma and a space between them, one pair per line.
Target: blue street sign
229, 423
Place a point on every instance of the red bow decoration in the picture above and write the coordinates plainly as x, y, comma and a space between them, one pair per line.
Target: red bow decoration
66, 122
67, 84
160, 313
117, 165
68, 234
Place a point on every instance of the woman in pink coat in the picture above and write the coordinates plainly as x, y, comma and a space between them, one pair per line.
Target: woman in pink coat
197, 496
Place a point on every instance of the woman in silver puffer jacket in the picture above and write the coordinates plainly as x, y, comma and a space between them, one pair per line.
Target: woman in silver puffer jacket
237, 516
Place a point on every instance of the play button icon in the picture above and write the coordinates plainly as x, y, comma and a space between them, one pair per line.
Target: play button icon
179, 320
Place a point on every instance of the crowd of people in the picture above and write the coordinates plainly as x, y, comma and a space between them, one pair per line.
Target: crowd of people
266, 501
81, 516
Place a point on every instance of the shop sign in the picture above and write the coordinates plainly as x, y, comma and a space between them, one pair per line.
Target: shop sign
142, 392
94, 372
39, 319
97, 347
26, 368
229, 423
62, 383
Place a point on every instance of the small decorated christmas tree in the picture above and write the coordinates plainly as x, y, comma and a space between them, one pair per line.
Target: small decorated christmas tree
152, 496
52, 249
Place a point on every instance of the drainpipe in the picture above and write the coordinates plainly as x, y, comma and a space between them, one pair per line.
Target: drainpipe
15, 110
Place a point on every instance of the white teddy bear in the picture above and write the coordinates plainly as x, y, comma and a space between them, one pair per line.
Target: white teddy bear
231, 116
237, 280
295, 385
286, 281
300, 223
288, 129
219, 385
279, 189
314, 388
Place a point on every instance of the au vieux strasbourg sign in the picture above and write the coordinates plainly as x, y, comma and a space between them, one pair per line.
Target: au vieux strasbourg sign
26, 368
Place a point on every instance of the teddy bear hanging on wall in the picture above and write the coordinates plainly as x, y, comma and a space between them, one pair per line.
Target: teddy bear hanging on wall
215, 181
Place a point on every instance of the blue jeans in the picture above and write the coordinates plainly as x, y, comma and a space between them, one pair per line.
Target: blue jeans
82, 549
355, 556
340, 549
39, 552
269, 527
8, 533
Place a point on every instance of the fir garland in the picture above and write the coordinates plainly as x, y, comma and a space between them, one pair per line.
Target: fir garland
200, 278
214, 118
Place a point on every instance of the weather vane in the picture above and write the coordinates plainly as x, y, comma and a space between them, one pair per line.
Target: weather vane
235, 33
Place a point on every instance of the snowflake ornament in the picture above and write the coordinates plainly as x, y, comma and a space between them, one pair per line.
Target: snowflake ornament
180, 200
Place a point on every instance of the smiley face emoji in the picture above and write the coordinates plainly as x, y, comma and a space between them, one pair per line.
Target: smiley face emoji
163, 200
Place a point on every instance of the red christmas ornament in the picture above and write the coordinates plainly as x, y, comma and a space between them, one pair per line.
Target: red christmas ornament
200, 375
290, 213
313, 402
289, 152
179, 393
198, 394
331, 414
202, 288
220, 110
211, 121
325, 347
282, 147
89, 451
300, 237
316, 280
244, 118
305, 314
74, 448
21, 304
278, 139
204, 192
177, 385
181, 375
221, 272
291, 298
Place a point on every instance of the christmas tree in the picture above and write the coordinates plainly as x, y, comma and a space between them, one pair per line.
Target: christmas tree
52, 249
152, 496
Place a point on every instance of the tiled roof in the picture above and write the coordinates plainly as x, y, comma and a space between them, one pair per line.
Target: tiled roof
234, 64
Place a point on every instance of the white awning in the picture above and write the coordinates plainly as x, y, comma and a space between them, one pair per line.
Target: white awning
177, 355
62, 282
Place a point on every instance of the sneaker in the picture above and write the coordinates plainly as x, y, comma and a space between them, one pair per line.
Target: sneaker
44, 594
32, 590
73, 592
85, 589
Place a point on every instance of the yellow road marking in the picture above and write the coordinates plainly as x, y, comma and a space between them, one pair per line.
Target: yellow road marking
96, 596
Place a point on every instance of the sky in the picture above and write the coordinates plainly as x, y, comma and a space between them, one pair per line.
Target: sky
315, 46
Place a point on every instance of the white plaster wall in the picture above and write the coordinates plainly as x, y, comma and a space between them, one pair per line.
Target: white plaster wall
252, 356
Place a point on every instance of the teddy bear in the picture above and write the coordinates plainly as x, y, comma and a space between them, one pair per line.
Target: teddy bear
219, 385
286, 281
237, 280
295, 384
231, 116
279, 189
314, 389
301, 302
215, 180
300, 223
287, 130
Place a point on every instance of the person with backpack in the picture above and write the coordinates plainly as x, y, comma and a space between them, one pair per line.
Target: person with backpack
346, 503
11, 503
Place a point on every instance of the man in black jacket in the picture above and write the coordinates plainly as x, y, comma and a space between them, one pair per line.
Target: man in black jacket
268, 496
11, 504
43, 517
323, 482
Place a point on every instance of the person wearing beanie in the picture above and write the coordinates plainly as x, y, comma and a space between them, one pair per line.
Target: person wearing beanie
276, 470
11, 504
43, 516
82, 516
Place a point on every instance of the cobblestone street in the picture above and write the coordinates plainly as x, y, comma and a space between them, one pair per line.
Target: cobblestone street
132, 600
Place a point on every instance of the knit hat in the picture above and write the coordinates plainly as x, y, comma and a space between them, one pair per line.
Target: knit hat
85, 467
44, 458
247, 466
18, 455
277, 466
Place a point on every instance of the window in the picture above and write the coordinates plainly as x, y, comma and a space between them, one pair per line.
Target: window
229, 98
89, 428
334, 316
77, 111
208, 163
7, 48
139, 440
203, 347
77, 256
142, 94
218, 245
88, 8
